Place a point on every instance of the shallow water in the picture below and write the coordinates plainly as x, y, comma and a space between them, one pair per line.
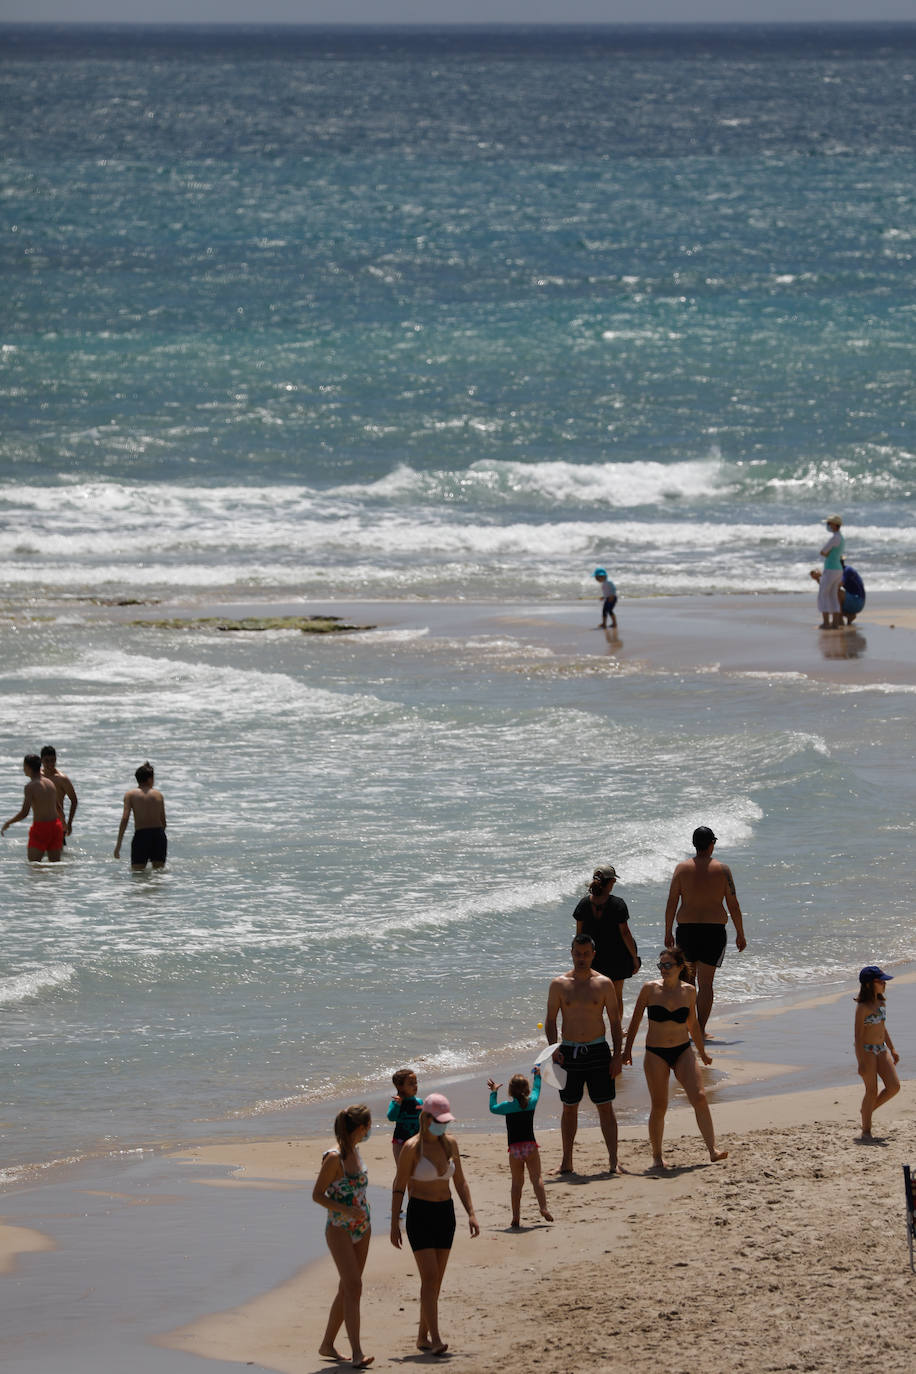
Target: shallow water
376, 847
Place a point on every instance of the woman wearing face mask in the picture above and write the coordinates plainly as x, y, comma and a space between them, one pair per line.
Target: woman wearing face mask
426, 1166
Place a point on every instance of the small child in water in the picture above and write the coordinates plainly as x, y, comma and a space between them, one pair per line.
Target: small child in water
875, 1051
608, 593
404, 1108
523, 1148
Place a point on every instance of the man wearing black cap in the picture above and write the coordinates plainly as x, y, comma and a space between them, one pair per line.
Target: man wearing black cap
701, 889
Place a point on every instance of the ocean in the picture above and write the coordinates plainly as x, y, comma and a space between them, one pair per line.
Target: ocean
296, 315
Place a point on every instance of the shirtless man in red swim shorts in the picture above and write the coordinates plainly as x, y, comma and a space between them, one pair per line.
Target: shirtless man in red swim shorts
64, 787
46, 833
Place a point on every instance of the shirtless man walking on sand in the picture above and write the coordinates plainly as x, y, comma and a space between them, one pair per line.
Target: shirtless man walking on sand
701, 889
149, 843
63, 785
46, 833
581, 998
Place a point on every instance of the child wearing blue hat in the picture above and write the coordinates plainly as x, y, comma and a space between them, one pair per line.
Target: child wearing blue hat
875, 1051
608, 593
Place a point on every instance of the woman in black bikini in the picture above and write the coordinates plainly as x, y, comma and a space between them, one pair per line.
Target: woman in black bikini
670, 1005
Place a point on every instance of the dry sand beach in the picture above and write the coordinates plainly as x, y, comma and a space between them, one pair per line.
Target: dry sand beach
777, 1259
783, 1257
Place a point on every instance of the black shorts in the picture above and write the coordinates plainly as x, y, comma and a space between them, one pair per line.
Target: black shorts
430, 1225
587, 1066
148, 846
702, 943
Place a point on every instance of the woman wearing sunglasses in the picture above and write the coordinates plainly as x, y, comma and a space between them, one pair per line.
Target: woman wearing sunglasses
670, 1005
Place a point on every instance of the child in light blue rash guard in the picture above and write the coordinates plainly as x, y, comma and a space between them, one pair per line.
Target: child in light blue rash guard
523, 1148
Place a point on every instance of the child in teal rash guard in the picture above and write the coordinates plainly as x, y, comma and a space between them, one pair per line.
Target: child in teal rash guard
404, 1109
523, 1148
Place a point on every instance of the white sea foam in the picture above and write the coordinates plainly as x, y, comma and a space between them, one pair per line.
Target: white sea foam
33, 983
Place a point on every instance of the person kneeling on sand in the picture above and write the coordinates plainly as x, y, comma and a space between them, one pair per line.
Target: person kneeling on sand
670, 1004
582, 998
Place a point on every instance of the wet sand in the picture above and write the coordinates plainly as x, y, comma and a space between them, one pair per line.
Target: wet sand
760, 634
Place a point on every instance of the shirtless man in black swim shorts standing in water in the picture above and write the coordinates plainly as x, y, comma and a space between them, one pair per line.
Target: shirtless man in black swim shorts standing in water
582, 997
700, 891
145, 802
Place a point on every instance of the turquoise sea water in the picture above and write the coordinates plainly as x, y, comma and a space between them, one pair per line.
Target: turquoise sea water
410, 315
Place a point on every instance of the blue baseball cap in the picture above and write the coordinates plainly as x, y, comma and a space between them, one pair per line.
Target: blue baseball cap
871, 973
600, 572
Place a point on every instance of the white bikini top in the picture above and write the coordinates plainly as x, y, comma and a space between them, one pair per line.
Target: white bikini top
425, 1169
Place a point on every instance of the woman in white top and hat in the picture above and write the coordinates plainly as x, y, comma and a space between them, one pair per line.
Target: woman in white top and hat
427, 1165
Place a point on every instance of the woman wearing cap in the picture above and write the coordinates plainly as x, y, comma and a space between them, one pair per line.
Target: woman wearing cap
875, 1051
606, 919
828, 590
426, 1167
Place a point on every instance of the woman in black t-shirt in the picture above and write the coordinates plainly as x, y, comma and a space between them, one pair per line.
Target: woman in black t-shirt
606, 919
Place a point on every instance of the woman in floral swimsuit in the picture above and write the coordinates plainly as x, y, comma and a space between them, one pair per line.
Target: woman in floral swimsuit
341, 1188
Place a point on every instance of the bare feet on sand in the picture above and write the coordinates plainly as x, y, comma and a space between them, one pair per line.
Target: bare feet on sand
716, 1155
327, 1352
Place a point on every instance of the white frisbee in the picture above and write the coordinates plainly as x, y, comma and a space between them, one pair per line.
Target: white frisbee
551, 1072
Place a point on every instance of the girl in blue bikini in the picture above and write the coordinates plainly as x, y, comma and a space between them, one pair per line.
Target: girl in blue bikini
523, 1148
341, 1188
875, 1051
671, 1006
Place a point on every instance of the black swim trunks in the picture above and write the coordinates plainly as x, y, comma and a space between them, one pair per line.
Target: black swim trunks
587, 1066
702, 943
430, 1225
148, 846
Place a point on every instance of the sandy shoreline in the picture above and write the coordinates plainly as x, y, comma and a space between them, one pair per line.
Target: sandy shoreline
216, 1252
707, 1268
762, 633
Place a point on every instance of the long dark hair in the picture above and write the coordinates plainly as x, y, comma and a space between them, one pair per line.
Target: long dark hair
684, 967
348, 1121
868, 992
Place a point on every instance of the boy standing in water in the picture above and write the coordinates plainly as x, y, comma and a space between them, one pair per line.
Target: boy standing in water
149, 844
63, 785
608, 594
46, 834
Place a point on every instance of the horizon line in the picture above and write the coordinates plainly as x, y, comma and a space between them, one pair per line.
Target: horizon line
475, 26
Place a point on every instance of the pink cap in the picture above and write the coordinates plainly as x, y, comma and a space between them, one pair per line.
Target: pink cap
436, 1105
